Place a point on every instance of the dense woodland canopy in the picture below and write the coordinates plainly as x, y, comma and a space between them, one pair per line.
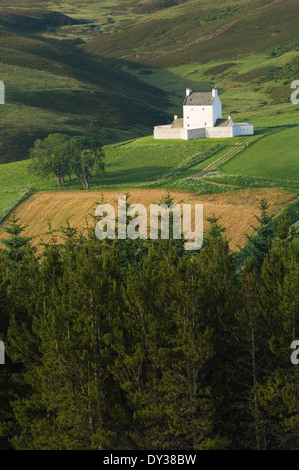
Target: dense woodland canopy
141, 345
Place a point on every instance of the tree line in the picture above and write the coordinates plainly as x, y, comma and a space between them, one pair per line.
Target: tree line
64, 156
138, 344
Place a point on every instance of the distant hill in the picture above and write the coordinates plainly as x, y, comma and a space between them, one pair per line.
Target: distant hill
53, 86
196, 30
114, 69
31, 21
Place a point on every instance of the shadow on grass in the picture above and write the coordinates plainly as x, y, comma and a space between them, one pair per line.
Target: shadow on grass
129, 176
266, 130
144, 174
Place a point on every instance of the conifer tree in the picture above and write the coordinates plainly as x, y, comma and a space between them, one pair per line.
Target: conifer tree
74, 403
259, 243
137, 344
279, 306
19, 270
250, 361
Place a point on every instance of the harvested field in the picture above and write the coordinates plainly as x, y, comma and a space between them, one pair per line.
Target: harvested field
236, 209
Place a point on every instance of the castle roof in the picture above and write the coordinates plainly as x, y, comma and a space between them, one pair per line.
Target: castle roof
178, 123
221, 123
199, 99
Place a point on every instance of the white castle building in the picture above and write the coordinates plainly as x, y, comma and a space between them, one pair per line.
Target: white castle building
202, 118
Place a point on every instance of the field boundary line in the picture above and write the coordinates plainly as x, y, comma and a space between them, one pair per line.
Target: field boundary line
6, 213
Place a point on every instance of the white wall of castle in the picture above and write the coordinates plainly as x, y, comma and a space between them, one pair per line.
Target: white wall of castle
217, 109
219, 132
196, 117
243, 129
167, 132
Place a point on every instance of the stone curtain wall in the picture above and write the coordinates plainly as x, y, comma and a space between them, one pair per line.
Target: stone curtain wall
243, 130
167, 132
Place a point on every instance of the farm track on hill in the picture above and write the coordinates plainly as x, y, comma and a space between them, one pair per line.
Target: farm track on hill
232, 152
222, 159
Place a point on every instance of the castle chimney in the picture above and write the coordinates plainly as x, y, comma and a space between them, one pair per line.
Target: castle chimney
214, 92
175, 117
188, 91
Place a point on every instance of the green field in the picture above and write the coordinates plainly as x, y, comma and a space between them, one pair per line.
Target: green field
274, 157
270, 161
140, 163
61, 75
8, 199
147, 160
129, 163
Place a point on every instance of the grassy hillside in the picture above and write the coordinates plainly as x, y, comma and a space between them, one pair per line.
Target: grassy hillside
198, 29
52, 85
270, 161
275, 157
237, 45
140, 163
114, 69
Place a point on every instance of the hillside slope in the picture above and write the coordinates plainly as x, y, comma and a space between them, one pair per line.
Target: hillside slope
53, 86
115, 69
197, 30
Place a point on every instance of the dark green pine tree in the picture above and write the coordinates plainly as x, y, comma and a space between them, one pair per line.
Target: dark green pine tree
19, 270
189, 402
169, 347
6, 414
217, 300
266, 324
16, 244
150, 295
259, 243
74, 401
140, 345
279, 307
249, 362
